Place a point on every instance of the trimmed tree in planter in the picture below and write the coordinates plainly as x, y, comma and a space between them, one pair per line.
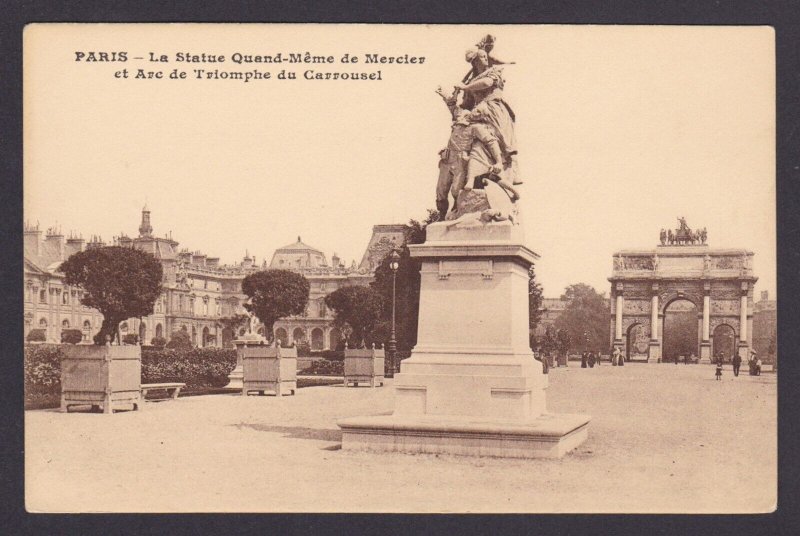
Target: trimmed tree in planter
179, 340
274, 294
360, 308
121, 283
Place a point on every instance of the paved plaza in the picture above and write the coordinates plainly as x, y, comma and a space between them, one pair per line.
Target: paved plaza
663, 438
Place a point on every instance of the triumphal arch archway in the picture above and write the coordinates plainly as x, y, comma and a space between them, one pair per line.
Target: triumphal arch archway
645, 283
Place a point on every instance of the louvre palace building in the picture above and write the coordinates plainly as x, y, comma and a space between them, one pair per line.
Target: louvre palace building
200, 294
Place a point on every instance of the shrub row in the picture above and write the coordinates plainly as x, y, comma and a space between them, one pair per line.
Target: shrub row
198, 368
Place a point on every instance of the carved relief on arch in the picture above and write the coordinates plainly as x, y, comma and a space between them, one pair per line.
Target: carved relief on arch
715, 322
635, 307
665, 298
725, 307
627, 322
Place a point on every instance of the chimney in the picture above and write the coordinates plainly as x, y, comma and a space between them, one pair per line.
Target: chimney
212, 262
74, 245
764, 295
55, 244
33, 237
145, 229
199, 258
95, 242
248, 261
335, 260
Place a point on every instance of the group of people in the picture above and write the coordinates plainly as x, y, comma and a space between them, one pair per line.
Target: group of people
482, 144
754, 364
589, 359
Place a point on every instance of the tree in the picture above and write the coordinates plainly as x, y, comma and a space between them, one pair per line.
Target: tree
534, 301
275, 294
563, 341
358, 307
408, 284
130, 338
158, 342
36, 335
586, 314
71, 336
180, 339
119, 282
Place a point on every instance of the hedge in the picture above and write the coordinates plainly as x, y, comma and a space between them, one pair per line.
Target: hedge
198, 368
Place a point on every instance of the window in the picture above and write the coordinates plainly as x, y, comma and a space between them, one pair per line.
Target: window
43, 296
42, 322
65, 297
65, 324
29, 292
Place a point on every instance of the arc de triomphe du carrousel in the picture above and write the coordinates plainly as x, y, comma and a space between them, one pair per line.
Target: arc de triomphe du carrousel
717, 282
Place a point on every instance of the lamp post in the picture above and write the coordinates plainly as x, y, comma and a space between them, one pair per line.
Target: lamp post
394, 264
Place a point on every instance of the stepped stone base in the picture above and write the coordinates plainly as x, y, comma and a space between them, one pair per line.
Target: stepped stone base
547, 436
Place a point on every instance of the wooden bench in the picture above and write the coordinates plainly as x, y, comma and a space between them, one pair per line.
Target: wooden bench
172, 389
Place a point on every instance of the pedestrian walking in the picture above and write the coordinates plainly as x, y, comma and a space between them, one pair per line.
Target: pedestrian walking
737, 362
584, 358
591, 359
718, 373
599, 357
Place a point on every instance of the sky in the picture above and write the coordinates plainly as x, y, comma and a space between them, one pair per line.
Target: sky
621, 130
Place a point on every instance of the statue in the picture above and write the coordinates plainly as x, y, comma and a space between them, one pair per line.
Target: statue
663, 237
481, 151
252, 324
656, 262
703, 235
472, 151
682, 222
670, 237
707, 262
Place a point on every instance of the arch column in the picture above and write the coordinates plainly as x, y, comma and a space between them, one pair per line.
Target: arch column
618, 343
743, 331
705, 342
654, 348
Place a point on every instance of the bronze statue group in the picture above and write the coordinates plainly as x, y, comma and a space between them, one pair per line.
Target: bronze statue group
482, 145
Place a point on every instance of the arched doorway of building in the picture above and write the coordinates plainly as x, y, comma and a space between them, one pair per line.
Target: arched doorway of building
636, 342
227, 338
298, 335
206, 336
194, 336
681, 330
316, 339
723, 340
335, 338
281, 335
159, 330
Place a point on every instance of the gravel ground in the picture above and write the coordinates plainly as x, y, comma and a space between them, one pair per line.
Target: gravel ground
663, 438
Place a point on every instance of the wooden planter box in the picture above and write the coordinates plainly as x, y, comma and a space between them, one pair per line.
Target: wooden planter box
265, 368
107, 376
363, 365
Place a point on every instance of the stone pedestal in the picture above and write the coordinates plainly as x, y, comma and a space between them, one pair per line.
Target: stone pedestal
705, 353
654, 352
471, 385
235, 377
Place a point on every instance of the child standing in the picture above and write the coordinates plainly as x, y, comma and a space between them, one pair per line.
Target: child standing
719, 370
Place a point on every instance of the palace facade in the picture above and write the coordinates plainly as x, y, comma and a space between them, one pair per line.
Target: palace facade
201, 296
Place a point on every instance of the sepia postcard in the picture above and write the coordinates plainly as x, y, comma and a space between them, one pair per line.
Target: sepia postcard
368, 268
